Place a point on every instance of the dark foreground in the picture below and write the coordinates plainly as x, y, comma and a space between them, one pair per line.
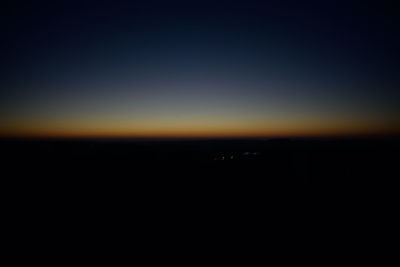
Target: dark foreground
257, 165
71, 191
199, 171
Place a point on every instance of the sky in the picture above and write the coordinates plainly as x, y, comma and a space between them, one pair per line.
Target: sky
185, 69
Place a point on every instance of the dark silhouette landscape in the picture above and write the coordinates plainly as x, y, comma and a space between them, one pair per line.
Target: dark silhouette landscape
301, 164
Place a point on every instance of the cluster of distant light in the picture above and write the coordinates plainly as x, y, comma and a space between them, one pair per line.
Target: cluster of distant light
237, 156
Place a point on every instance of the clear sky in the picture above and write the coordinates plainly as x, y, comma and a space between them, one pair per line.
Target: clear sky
200, 69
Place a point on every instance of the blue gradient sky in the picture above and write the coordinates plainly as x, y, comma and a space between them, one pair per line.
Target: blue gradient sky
198, 69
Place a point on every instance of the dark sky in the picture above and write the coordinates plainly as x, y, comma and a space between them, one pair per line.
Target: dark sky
200, 68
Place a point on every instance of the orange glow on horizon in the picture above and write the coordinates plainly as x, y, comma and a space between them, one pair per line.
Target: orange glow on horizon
195, 127
194, 134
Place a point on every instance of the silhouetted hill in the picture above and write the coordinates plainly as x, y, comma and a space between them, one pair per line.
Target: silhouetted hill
300, 161
293, 186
